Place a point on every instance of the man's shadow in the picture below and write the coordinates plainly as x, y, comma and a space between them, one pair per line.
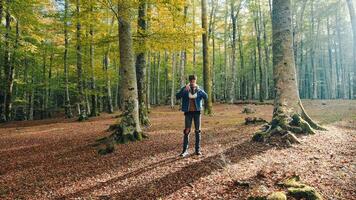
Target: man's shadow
172, 182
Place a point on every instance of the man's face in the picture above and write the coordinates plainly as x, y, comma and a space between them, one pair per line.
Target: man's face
193, 81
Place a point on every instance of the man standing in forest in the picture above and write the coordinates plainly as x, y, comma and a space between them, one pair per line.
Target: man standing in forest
192, 97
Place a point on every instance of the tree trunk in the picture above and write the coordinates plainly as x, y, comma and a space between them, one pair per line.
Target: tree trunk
233, 52
312, 55
141, 64
106, 63
94, 98
258, 38
288, 114
148, 78
194, 43
45, 85
225, 50
267, 65
67, 107
173, 80
81, 95
9, 69
242, 63
332, 71
157, 75
352, 73
206, 67
128, 129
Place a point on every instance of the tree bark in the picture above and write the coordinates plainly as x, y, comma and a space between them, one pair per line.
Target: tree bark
128, 129
352, 73
94, 98
173, 80
233, 52
206, 66
67, 107
288, 113
141, 63
81, 96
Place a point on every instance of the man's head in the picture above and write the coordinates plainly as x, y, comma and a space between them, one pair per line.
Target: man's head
192, 79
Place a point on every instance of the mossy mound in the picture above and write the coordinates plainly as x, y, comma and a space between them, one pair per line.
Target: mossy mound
277, 196
306, 192
300, 190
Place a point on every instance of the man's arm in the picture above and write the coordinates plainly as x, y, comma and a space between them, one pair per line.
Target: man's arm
180, 93
205, 96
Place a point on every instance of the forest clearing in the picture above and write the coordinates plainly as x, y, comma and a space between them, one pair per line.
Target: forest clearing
54, 159
178, 99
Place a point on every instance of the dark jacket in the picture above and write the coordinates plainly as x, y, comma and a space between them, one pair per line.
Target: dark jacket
184, 94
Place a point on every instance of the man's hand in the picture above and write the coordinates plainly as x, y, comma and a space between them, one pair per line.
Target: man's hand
187, 87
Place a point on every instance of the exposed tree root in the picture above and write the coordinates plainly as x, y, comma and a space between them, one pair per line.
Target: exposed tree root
306, 117
282, 128
123, 132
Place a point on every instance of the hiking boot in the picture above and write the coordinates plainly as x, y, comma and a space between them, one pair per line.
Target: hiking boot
184, 154
198, 153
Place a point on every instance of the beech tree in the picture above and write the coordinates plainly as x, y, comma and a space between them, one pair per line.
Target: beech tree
289, 116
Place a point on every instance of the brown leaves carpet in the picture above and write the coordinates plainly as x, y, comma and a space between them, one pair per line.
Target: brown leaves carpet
55, 158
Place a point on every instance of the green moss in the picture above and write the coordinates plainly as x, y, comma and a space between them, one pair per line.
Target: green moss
277, 196
260, 136
299, 122
306, 192
293, 182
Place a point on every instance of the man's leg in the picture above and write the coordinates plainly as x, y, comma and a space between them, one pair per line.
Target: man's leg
197, 125
188, 125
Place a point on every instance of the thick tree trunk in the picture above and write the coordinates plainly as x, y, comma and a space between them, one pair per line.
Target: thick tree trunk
67, 107
206, 66
288, 113
81, 96
141, 64
129, 127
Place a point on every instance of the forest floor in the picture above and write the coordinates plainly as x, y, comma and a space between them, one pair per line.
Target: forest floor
55, 158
